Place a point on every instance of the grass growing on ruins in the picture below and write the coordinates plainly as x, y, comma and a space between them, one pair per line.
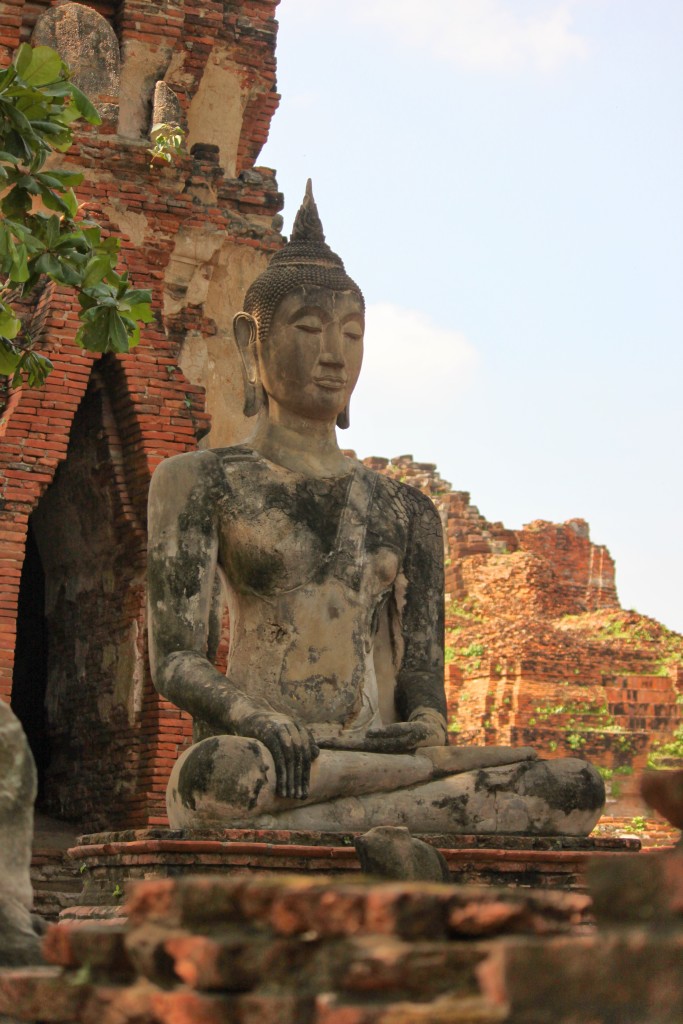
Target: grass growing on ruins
463, 610
663, 751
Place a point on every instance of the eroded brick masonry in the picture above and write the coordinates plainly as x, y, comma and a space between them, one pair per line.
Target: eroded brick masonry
76, 457
538, 648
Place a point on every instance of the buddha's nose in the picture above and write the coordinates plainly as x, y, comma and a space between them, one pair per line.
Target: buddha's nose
332, 353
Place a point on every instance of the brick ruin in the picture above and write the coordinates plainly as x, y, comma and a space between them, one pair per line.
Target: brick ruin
297, 950
76, 457
538, 649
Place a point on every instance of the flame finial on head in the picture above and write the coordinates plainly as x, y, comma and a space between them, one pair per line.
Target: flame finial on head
307, 224
305, 260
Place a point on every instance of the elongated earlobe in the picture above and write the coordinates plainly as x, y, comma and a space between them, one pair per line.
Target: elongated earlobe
246, 329
344, 417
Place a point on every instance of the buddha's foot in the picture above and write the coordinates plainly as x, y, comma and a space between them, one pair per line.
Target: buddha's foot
451, 760
230, 782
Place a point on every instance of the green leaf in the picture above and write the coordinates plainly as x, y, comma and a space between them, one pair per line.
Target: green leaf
92, 234
69, 275
117, 333
138, 295
142, 311
110, 245
22, 59
9, 357
17, 229
65, 179
53, 201
48, 264
18, 202
19, 272
95, 270
45, 66
71, 202
28, 182
84, 106
8, 158
36, 367
57, 89
93, 333
10, 325
21, 123
52, 232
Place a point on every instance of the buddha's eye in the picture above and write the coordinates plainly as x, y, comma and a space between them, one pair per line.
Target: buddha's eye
309, 327
354, 335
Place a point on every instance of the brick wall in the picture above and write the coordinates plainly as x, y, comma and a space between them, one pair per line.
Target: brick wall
77, 456
319, 951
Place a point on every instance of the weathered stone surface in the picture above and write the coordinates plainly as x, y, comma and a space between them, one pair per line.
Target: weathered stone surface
18, 940
166, 108
389, 852
88, 44
331, 714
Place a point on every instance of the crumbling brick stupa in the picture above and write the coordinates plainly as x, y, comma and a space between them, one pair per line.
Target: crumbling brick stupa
539, 650
77, 456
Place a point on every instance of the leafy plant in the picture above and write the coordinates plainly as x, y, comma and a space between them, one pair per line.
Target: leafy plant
167, 142
473, 651
673, 748
575, 741
41, 233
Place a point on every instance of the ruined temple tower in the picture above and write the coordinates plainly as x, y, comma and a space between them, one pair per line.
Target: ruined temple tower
76, 457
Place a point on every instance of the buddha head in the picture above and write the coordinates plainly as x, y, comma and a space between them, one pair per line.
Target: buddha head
300, 335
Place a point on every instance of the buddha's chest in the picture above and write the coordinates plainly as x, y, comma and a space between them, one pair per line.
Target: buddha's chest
276, 536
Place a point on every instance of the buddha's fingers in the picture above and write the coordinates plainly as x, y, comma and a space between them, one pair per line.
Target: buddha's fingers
303, 755
450, 760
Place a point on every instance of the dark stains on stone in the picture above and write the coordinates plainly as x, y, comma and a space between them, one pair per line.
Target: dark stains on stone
257, 571
316, 504
581, 791
456, 806
196, 773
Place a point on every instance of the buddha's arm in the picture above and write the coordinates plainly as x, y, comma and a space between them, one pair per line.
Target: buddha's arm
420, 681
420, 695
183, 552
183, 549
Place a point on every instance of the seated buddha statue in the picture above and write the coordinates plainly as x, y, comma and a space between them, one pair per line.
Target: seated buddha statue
331, 715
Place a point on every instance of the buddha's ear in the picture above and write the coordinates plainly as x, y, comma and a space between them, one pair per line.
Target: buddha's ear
344, 417
246, 329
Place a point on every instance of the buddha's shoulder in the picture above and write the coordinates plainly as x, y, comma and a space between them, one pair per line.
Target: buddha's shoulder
205, 465
204, 458
411, 499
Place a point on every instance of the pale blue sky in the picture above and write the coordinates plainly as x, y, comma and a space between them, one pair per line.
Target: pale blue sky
504, 179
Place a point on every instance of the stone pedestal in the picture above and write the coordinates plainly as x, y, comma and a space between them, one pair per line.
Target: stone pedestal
108, 861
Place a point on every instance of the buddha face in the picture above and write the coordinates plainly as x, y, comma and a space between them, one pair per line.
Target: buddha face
310, 360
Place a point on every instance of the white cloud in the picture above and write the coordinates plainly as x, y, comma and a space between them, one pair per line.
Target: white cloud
477, 35
413, 372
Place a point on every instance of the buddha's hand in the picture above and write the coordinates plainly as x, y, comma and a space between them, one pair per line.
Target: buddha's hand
425, 728
292, 748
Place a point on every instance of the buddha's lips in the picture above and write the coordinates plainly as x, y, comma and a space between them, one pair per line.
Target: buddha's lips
333, 383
